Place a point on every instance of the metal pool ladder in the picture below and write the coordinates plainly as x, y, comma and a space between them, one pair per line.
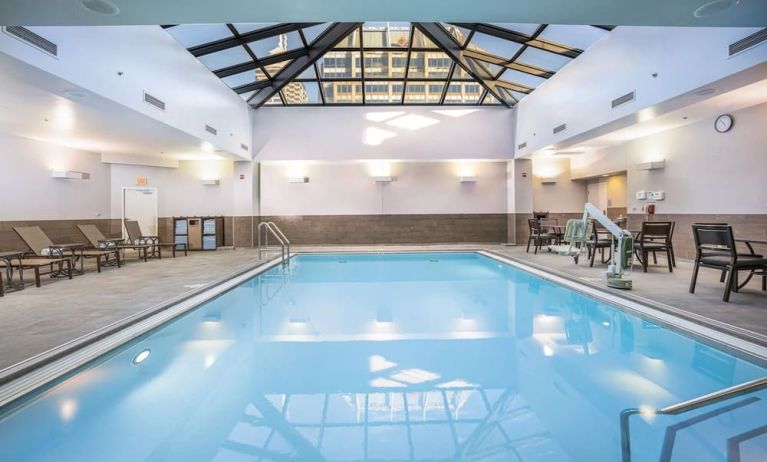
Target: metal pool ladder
265, 228
689, 405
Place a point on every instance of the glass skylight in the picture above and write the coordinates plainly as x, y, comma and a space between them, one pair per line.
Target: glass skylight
192, 35
225, 58
493, 45
387, 63
580, 37
527, 29
543, 59
245, 28
276, 45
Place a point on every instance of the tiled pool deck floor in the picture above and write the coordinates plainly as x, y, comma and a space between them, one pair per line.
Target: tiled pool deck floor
35, 320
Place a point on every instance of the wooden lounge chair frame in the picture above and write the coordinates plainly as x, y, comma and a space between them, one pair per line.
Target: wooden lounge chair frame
36, 239
134, 235
96, 239
36, 264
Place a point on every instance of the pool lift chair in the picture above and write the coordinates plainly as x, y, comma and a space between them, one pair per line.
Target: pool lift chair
621, 247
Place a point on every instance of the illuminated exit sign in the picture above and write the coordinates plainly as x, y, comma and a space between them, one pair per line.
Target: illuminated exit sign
141, 181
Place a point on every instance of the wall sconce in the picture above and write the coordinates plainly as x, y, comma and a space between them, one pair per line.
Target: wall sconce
467, 179
548, 180
655, 165
214, 182
383, 179
70, 175
298, 179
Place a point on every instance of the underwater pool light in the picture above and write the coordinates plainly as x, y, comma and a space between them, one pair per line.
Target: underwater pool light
142, 356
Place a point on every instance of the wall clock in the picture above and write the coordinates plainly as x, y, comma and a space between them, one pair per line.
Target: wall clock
723, 123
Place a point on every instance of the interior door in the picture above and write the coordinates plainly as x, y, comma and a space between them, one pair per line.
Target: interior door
141, 204
596, 193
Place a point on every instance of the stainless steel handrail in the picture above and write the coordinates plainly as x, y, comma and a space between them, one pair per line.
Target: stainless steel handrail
282, 235
275, 231
684, 406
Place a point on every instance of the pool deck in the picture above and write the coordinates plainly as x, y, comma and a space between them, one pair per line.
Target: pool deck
35, 320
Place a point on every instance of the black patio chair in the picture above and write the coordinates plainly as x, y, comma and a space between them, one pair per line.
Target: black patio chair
715, 248
601, 240
655, 237
538, 235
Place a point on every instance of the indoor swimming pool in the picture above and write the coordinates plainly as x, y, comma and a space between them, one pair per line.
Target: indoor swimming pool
396, 357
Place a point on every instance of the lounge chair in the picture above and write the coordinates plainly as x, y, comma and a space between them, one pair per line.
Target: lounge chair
98, 241
36, 264
715, 248
41, 246
135, 237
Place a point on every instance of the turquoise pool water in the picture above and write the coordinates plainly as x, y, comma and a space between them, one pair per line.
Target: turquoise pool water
393, 357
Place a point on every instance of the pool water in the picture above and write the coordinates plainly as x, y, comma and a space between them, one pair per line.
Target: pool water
394, 357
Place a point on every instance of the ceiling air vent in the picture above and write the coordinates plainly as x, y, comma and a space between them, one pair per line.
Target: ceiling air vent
154, 101
560, 128
522, 145
29, 37
621, 100
211, 130
751, 41
244, 147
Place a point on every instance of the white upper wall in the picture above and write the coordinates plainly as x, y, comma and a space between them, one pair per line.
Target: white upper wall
180, 191
563, 196
348, 188
706, 172
29, 192
346, 133
149, 60
625, 60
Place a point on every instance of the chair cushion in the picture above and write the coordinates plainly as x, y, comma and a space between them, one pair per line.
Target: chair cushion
724, 260
651, 245
707, 253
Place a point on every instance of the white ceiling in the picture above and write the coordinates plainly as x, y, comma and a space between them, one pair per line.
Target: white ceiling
741, 90
40, 106
616, 12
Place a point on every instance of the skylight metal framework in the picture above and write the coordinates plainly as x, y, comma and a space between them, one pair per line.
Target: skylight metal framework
394, 63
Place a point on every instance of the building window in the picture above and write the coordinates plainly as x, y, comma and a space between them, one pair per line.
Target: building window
398, 61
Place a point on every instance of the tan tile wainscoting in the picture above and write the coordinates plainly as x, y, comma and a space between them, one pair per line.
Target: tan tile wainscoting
392, 229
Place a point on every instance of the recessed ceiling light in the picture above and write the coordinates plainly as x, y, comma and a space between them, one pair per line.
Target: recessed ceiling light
103, 7
714, 8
